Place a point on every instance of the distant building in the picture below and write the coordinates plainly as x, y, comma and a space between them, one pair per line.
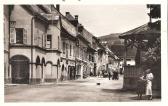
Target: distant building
116, 45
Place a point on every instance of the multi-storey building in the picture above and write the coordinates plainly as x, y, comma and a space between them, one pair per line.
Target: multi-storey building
34, 50
84, 55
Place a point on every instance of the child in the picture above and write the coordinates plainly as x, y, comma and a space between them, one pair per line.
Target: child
140, 86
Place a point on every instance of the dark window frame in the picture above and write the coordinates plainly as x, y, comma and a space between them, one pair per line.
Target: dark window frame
19, 35
49, 39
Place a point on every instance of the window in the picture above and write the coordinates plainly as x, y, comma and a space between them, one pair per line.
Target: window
58, 43
70, 50
66, 50
44, 40
48, 43
19, 35
128, 59
63, 47
74, 52
92, 58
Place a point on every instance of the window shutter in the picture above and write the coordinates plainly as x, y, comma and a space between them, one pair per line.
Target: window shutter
24, 36
44, 40
12, 35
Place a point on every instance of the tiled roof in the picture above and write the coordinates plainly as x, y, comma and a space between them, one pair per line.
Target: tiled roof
70, 17
141, 32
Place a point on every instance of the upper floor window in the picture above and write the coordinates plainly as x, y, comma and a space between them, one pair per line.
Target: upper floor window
66, 50
58, 43
49, 41
64, 47
18, 35
70, 50
74, 51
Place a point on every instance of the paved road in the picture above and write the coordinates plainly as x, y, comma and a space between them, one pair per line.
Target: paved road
85, 90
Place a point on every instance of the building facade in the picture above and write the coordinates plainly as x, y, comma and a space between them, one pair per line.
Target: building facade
34, 50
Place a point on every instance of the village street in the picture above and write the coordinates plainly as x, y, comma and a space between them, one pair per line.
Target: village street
83, 90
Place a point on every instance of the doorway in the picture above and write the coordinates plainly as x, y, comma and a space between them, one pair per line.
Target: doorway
20, 69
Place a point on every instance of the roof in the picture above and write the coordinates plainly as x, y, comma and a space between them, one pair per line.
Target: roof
33, 9
142, 32
68, 26
69, 17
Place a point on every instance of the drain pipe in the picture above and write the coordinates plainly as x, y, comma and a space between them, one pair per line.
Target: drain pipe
32, 25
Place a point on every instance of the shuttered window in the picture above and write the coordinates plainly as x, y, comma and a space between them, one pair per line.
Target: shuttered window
64, 47
48, 43
24, 36
18, 35
70, 49
12, 35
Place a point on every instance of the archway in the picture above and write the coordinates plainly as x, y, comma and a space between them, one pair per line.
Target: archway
20, 69
48, 71
37, 60
43, 64
38, 68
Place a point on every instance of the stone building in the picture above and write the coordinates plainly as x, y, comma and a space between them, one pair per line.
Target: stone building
68, 37
34, 50
101, 55
84, 52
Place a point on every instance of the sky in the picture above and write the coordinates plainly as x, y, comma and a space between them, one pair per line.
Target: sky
106, 19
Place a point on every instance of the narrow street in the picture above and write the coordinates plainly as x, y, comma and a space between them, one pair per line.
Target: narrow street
85, 90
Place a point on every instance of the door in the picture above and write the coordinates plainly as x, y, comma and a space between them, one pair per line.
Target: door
20, 69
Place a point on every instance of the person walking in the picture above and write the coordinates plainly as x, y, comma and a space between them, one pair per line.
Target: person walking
121, 69
149, 78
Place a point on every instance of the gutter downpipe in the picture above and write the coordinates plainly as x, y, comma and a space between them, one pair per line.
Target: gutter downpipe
31, 73
9, 75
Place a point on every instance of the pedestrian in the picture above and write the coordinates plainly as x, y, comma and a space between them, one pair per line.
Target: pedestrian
121, 69
109, 73
117, 74
149, 78
140, 85
114, 74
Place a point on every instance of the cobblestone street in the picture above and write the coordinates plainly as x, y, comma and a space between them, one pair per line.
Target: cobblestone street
85, 90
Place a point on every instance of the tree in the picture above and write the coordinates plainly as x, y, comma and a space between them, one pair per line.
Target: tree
153, 53
154, 14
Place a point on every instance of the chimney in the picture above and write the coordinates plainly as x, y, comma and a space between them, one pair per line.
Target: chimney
58, 7
67, 13
76, 17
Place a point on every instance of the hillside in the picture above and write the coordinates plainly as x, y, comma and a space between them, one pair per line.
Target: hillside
112, 39
117, 45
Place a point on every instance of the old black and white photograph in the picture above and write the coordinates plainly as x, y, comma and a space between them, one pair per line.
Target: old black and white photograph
82, 53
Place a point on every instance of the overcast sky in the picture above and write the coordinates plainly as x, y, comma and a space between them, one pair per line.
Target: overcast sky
106, 19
